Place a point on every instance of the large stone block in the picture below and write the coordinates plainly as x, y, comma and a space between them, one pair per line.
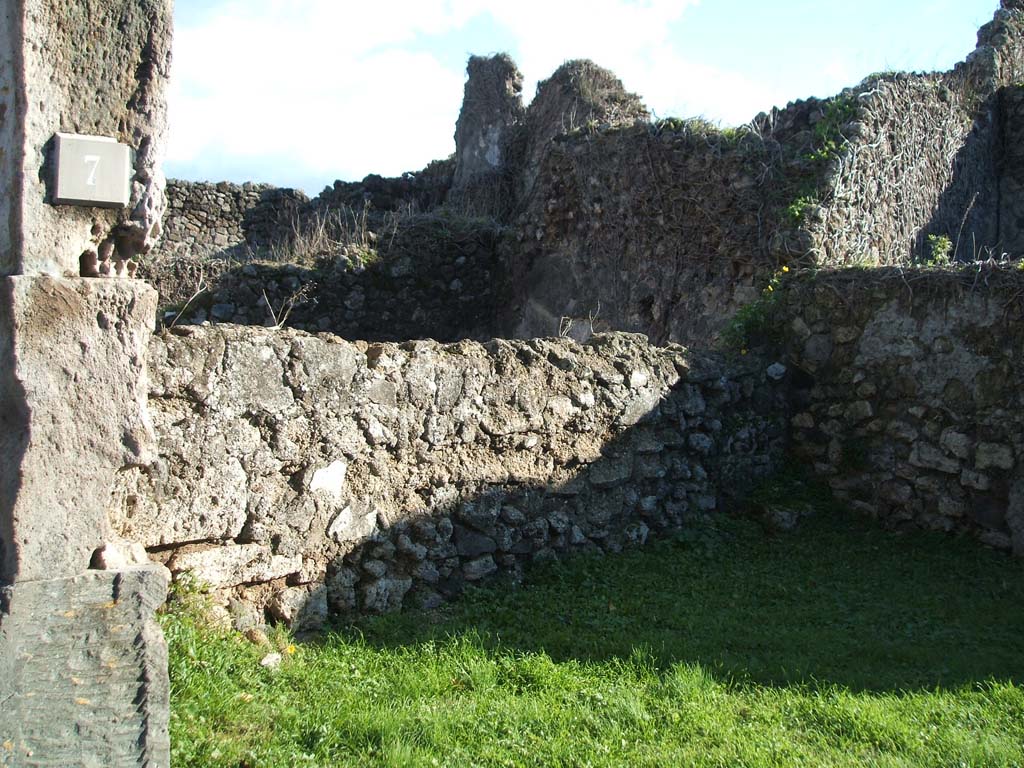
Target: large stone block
73, 392
96, 67
83, 671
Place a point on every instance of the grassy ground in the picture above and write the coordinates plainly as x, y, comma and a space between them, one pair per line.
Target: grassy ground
837, 644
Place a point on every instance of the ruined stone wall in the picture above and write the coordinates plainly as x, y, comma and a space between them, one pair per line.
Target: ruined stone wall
922, 159
426, 276
225, 220
305, 474
661, 229
909, 397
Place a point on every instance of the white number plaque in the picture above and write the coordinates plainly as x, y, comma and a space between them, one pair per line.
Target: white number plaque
94, 171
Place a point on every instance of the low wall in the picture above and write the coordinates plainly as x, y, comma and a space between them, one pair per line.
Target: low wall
304, 474
430, 277
223, 220
908, 396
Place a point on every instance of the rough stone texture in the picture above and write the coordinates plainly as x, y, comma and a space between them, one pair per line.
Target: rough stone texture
921, 159
492, 108
10, 167
83, 671
375, 475
914, 413
225, 220
667, 228
80, 66
430, 276
578, 95
208, 223
660, 229
72, 414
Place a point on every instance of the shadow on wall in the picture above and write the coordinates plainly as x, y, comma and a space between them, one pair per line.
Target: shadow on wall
415, 276
965, 225
14, 436
322, 479
671, 465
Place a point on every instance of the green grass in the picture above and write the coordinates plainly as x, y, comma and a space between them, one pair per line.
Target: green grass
837, 644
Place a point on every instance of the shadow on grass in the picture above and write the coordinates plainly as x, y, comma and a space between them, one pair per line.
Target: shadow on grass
837, 602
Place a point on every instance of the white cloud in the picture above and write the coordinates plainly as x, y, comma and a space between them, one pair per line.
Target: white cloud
302, 92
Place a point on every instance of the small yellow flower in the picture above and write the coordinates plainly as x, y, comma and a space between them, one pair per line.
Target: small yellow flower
771, 288
743, 351
290, 650
785, 269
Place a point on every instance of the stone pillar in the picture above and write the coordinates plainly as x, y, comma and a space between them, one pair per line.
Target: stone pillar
492, 108
83, 664
95, 67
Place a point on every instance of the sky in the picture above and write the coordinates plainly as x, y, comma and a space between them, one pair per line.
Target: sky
299, 93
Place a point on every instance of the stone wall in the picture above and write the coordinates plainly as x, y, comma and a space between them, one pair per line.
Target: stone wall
304, 474
226, 220
426, 276
658, 229
908, 398
210, 221
922, 157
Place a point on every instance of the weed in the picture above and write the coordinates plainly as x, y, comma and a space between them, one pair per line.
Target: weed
757, 322
796, 210
828, 132
940, 249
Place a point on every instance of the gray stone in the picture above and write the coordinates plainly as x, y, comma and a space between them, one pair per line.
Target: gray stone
83, 670
927, 456
609, 472
701, 443
956, 443
473, 544
859, 411
846, 334
385, 595
303, 608
374, 568
817, 351
223, 312
235, 564
776, 372
993, 455
803, 420
477, 569
977, 480
72, 415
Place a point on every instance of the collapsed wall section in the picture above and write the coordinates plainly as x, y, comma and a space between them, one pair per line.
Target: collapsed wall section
908, 399
304, 474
